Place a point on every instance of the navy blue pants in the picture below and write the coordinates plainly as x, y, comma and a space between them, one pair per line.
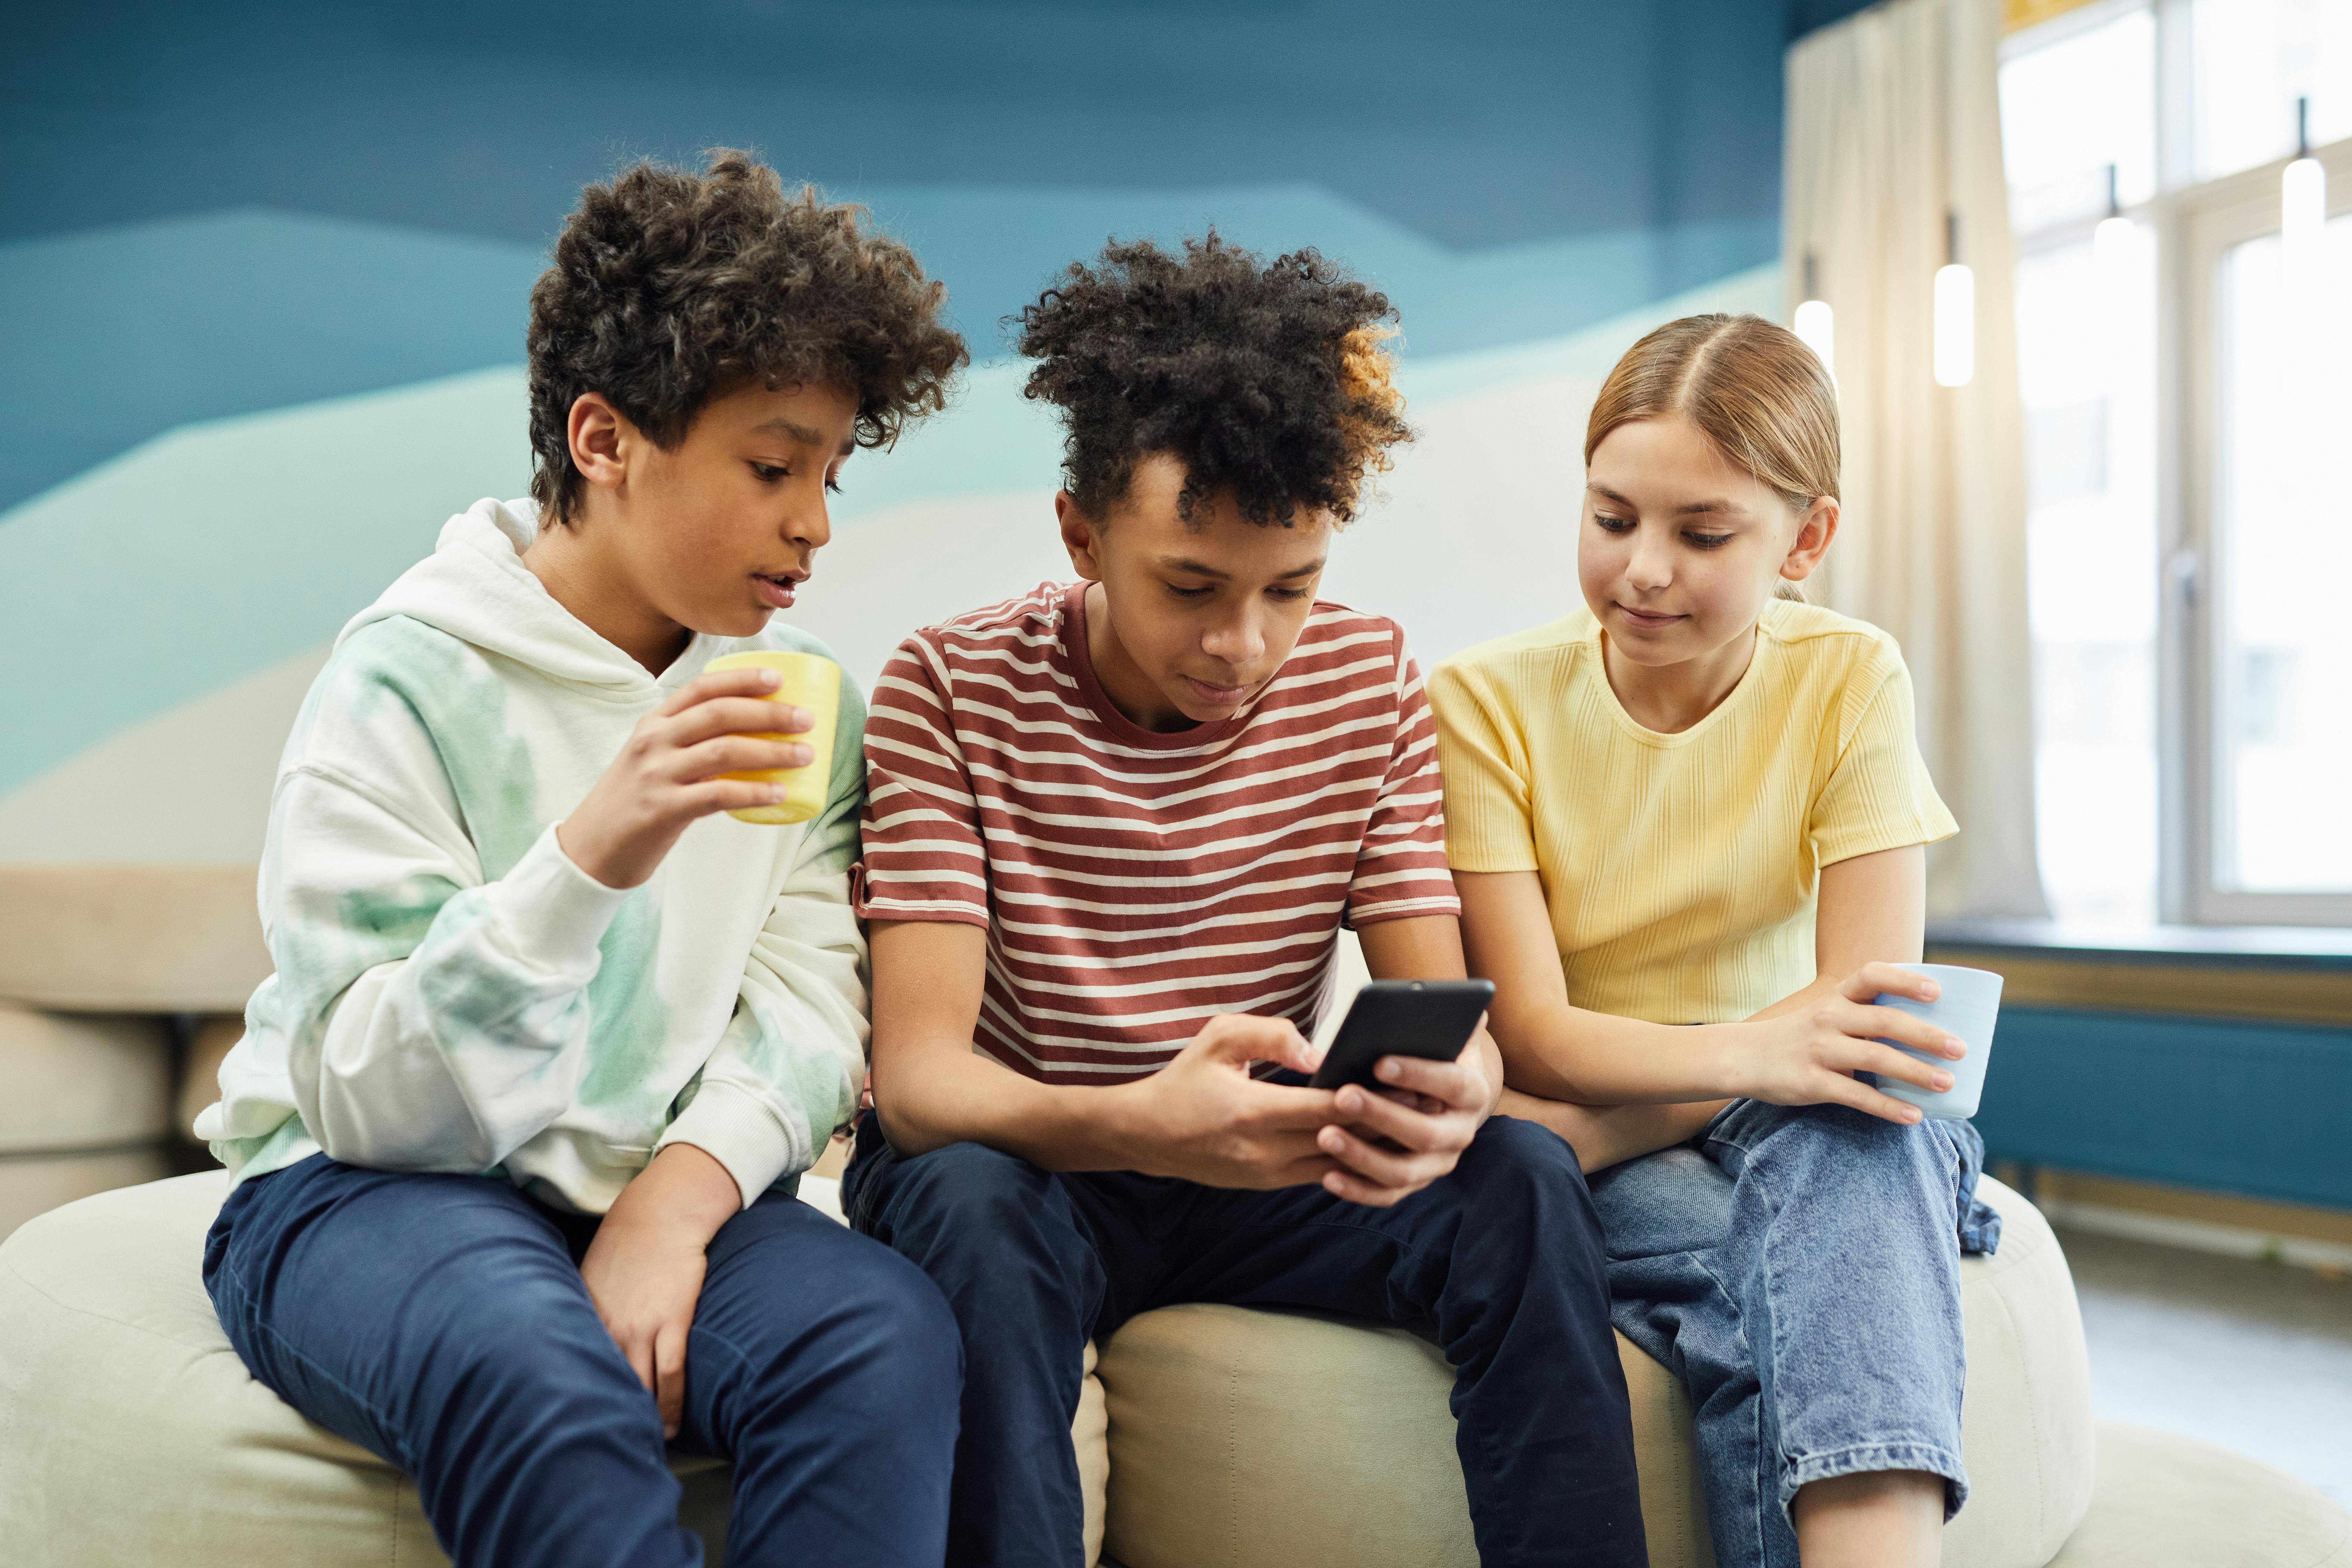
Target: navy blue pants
1502, 1259
440, 1321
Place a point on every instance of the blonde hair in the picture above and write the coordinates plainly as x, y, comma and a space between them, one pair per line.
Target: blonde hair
1756, 389
1371, 408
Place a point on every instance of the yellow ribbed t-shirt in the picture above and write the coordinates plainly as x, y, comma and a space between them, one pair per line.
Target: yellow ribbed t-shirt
1680, 870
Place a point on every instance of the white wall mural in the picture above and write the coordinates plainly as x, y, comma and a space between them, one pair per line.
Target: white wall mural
166, 610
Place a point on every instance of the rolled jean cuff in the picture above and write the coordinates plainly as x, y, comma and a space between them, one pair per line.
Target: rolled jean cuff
1864, 1458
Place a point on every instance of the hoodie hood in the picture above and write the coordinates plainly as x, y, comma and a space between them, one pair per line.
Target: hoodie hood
475, 587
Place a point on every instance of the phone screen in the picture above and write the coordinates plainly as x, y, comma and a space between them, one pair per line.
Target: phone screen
1431, 1019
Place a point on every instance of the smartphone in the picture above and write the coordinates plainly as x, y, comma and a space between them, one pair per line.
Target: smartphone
1431, 1019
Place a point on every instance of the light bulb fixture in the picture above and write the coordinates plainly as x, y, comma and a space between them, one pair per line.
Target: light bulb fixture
2112, 238
2303, 189
1955, 312
1815, 324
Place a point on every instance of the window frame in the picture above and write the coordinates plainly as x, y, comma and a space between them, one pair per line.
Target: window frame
2199, 227
2194, 224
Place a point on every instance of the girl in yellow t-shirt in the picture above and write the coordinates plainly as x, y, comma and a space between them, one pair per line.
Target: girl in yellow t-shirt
1695, 803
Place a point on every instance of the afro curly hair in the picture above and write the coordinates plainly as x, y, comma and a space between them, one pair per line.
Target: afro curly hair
670, 290
1266, 382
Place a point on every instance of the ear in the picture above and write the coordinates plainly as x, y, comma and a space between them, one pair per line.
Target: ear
1814, 531
600, 438
1080, 537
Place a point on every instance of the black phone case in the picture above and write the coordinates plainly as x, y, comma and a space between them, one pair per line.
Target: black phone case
1427, 1018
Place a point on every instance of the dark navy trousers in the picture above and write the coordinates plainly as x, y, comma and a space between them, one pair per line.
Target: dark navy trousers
440, 1322
1502, 1259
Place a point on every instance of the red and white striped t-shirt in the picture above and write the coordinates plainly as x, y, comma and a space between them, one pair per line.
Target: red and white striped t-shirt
1135, 884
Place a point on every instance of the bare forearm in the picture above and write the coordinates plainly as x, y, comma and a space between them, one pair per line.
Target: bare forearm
955, 1096
682, 1188
1606, 1135
1598, 1058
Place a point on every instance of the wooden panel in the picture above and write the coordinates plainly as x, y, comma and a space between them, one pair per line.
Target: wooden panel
2232, 990
2209, 1208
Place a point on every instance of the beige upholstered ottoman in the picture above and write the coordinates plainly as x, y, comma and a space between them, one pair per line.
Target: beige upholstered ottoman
1250, 1438
1245, 1439
85, 1105
92, 957
131, 1437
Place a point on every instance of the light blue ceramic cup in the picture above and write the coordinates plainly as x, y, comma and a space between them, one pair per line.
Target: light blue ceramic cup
1969, 1005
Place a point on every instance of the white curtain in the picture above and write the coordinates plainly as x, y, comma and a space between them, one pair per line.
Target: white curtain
1893, 124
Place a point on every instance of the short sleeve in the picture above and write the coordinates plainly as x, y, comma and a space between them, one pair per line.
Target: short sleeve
1401, 866
1489, 815
923, 855
1878, 795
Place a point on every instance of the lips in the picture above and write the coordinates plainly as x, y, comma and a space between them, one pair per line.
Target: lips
775, 588
1646, 620
1217, 696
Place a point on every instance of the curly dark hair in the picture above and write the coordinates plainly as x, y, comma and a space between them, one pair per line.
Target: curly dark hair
670, 290
1268, 381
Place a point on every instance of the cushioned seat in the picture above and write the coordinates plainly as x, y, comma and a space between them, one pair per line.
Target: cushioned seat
85, 1105
131, 1437
1230, 1425
130, 1434
131, 938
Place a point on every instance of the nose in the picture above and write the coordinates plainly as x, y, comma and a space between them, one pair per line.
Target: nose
810, 525
1650, 567
1238, 641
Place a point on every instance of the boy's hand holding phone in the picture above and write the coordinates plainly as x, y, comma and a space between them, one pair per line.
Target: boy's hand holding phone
1374, 1129
643, 1271
668, 773
1423, 1114
1409, 1110
1204, 1118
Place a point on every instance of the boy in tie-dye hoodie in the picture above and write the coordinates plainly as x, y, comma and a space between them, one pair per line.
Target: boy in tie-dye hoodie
516, 1125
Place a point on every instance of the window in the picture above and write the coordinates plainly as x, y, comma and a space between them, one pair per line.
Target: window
2188, 425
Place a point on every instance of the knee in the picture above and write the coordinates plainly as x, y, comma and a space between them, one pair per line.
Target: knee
1520, 1175
1826, 1147
964, 1197
897, 1301
905, 1339
551, 1358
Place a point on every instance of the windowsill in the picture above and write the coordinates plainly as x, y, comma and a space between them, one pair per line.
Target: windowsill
2286, 974
2266, 947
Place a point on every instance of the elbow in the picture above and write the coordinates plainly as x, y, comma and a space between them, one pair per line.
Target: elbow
901, 1112
1533, 1071
907, 1141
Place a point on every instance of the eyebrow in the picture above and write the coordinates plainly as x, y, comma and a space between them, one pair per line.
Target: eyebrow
1693, 509
799, 432
1199, 569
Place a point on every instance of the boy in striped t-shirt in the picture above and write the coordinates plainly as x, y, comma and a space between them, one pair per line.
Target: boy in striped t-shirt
1112, 831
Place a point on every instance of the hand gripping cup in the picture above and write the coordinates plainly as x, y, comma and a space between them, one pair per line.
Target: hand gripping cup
1969, 1003
803, 680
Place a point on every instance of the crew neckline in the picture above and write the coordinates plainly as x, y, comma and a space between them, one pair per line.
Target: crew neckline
1594, 639
1129, 732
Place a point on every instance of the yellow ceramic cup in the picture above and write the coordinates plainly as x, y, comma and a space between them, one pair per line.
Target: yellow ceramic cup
805, 681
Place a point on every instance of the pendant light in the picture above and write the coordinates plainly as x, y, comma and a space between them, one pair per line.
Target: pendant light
1816, 326
2303, 191
2110, 241
1955, 312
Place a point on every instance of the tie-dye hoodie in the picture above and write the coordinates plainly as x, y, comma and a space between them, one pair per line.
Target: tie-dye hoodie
453, 993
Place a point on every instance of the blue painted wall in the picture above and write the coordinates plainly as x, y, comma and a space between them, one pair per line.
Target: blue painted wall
208, 210
221, 224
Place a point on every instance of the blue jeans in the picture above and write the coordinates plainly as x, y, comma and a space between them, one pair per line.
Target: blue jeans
1502, 1259
1799, 1270
440, 1322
